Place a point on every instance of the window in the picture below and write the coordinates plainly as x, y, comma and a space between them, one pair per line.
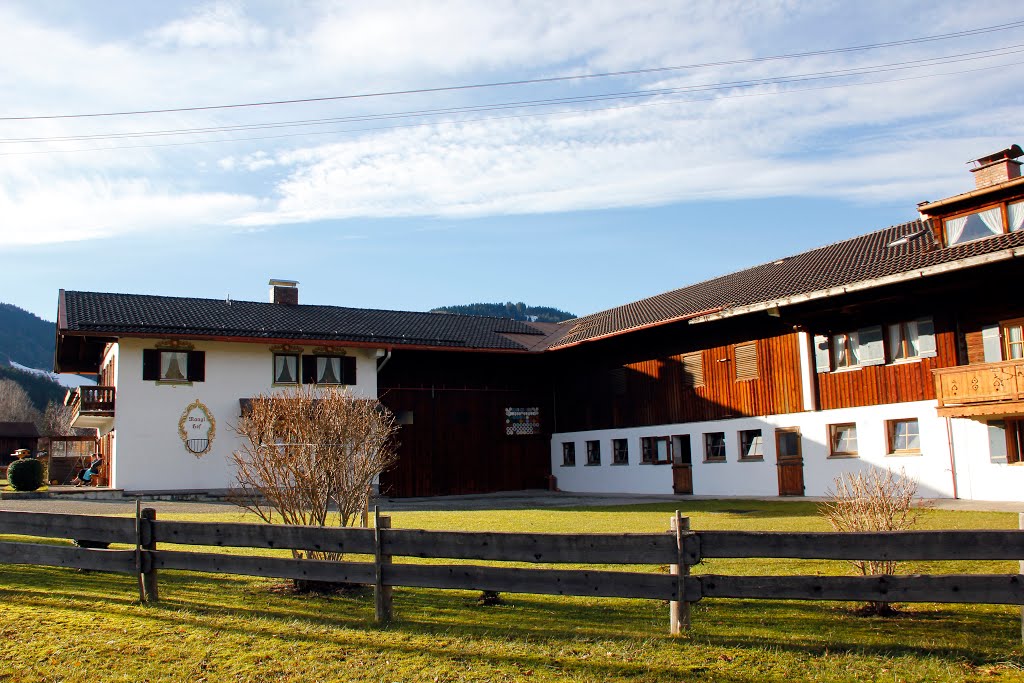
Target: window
904, 436
912, 339
1013, 339
1006, 441
693, 370
746, 361
974, 226
328, 370
1015, 215
655, 450
751, 445
714, 447
173, 366
858, 348
593, 452
286, 368
620, 451
842, 439
568, 454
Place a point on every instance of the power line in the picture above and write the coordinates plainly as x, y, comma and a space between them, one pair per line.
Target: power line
515, 116
773, 80
533, 81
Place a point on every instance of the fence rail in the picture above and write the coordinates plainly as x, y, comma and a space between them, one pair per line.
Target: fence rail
680, 549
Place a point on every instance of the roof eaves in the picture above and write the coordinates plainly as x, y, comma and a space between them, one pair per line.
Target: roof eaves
913, 274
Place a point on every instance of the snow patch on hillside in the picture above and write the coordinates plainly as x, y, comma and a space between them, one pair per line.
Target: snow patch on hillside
66, 379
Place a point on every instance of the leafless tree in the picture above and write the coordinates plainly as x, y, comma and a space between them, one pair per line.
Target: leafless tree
56, 421
15, 405
873, 500
310, 457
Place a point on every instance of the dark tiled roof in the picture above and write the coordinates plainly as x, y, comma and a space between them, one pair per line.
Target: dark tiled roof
15, 430
123, 314
863, 258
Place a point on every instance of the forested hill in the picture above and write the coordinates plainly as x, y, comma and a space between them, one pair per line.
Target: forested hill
25, 338
515, 311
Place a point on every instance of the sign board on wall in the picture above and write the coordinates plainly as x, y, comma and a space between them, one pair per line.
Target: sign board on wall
522, 421
197, 428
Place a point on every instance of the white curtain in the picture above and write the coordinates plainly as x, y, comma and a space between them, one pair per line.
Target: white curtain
955, 228
1016, 216
993, 219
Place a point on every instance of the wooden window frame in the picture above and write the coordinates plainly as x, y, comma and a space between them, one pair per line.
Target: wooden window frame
708, 457
298, 369
890, 435
593, 447
649, 450
978, 209
1014, 441
833, 451
691, 380
743, 449
620, 451
1004, 326
568, 454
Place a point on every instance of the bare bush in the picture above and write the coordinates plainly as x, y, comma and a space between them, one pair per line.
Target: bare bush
15, 405
56, 421
310, 457
873, 500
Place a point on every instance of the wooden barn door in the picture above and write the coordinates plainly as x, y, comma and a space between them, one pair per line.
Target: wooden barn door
682, 465
791, 461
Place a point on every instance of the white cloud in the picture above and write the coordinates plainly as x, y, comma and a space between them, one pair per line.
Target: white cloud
214, 26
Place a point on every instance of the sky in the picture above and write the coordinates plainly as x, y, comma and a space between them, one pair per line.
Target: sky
742, 132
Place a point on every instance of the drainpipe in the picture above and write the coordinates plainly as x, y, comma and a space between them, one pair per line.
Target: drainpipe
387, 357
952, 455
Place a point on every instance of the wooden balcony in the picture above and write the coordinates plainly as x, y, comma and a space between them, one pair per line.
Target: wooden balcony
92, 407
984, 391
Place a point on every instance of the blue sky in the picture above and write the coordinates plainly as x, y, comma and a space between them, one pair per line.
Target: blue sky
582, 206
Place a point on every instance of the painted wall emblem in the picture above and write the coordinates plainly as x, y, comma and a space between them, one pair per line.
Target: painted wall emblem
197, 428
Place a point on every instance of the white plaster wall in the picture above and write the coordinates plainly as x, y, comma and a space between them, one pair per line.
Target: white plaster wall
759, 478
978, 477
150, 456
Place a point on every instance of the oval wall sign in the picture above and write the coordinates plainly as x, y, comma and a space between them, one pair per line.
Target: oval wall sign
197, 428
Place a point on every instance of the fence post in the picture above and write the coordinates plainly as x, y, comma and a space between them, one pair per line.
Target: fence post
1020, 524
679, 610
138, 549
381, 593
149, 544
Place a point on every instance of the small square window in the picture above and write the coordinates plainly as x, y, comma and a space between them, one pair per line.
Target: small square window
593, 452
751, 445
568, 454
714, 447
620, 451
286, 368
173, 366
842, 439
904, 436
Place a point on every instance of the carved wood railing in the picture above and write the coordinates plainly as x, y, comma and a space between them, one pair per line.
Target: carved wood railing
982, 383
91, 399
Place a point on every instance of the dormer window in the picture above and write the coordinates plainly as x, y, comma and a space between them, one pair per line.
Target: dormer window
977, 225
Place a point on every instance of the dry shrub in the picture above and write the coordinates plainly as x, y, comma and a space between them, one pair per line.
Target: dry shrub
873, 500
310, 457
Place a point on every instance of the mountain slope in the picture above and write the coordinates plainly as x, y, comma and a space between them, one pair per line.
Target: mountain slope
515, 311
25, 338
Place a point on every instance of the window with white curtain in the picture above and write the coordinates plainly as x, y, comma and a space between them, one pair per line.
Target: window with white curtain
1015, 216
974, 226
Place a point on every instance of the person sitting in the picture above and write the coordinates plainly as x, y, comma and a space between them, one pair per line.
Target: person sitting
85, 475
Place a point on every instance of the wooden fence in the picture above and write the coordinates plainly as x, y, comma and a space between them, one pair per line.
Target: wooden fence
680, 549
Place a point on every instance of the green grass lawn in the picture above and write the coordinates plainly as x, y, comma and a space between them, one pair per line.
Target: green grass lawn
64, 625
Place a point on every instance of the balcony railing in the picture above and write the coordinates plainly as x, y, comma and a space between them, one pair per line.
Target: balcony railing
91, 406
982, 389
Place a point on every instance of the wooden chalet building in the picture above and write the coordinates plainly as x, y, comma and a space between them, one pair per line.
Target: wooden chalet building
901, 349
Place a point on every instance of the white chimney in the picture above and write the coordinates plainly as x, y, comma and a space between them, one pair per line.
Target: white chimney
284, 292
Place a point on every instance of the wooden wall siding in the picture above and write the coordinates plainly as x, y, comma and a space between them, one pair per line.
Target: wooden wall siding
457, 444
889, 383
657, 391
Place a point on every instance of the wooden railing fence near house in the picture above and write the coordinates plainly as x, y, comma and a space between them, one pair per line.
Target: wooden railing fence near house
680, 549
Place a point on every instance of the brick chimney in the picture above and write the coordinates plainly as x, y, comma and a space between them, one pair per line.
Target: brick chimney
997, 168
284, 292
